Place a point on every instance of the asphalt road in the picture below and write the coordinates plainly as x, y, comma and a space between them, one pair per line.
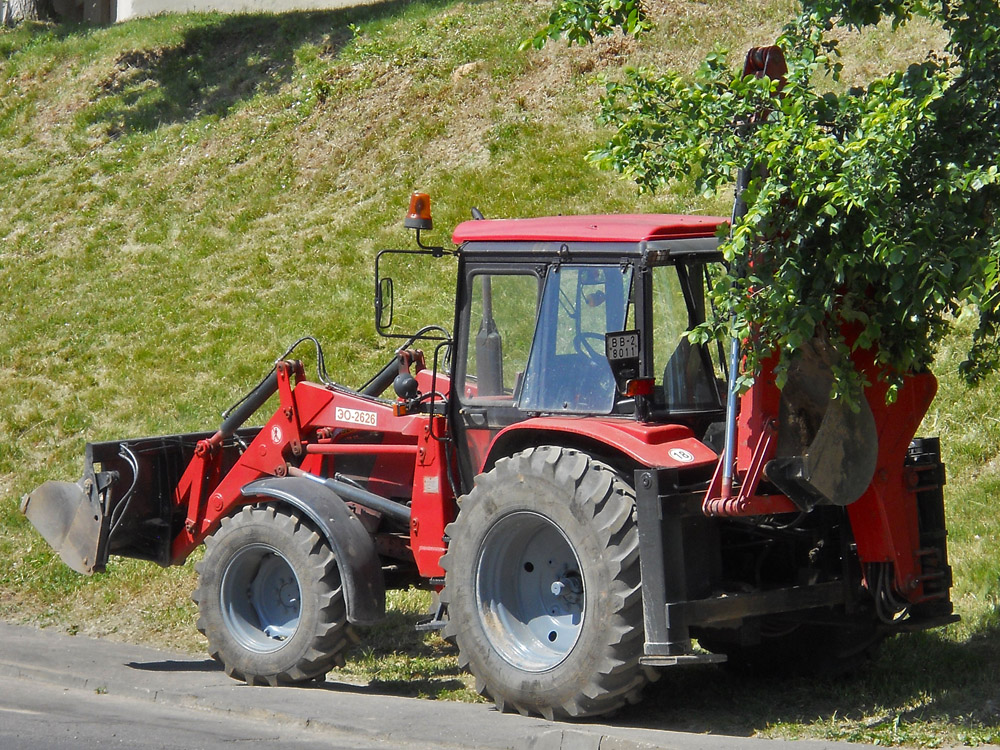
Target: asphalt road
62, 692
44, 716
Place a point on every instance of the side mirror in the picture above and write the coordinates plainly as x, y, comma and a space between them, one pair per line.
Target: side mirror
418, 218
383, 304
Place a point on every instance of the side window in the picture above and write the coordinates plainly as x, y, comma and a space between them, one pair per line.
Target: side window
502, 315
684, 374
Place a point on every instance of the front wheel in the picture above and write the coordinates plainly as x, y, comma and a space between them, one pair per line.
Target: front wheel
270, 599
542, 586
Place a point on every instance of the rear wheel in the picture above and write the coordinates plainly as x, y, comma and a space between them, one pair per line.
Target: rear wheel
542, 586
270, 599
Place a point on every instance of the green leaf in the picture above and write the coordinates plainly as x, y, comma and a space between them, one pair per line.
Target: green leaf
873, 206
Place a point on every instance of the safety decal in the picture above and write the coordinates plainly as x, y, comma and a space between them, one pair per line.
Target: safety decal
681, 455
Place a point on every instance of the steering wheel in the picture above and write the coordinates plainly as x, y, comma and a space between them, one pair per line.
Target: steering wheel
598, 374
583, 346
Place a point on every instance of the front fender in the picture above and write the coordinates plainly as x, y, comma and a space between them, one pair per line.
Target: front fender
360, 568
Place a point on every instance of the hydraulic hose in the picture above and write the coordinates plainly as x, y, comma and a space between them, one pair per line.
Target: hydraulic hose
253, 401
732, 402
382, 380
394, 510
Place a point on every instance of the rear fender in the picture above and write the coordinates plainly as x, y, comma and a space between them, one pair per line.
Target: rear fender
357, 560
664, 445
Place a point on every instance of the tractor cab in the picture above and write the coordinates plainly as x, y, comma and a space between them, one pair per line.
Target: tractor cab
583, 316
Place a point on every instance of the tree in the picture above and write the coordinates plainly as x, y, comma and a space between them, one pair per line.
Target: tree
871, 209
24, 10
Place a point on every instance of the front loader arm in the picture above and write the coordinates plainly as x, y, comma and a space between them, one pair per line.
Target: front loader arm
318, 429
158, 498
204, 492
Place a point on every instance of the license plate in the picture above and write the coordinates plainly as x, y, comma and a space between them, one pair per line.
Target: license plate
622, 345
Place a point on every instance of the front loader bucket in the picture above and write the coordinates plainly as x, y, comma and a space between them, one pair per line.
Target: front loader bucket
124, 505
71, 520
827, 451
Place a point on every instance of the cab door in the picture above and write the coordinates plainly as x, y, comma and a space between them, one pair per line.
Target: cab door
532, 342
495, 331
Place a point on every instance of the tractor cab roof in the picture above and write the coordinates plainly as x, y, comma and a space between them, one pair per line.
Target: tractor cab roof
612, 228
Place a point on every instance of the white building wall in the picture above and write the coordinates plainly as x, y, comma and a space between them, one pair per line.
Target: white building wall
134, 8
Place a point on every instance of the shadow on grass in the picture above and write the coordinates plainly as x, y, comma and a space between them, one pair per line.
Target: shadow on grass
218, 65
916, 678
11, 40
951, 683
394, 658
429, 687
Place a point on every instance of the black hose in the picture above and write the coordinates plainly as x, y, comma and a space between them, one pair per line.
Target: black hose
390, 508
352, 493
251, 403
382, 380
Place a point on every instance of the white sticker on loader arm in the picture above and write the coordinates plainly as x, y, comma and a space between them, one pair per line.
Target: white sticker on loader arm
356, 416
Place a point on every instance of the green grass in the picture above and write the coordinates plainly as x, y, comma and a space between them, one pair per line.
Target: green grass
184, 196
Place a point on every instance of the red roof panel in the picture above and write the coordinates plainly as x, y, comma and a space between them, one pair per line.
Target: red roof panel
607, 228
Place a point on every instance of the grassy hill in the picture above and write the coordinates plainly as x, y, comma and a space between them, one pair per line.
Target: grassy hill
183, 197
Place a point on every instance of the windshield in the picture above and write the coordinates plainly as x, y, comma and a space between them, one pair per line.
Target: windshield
567, 369
536, 343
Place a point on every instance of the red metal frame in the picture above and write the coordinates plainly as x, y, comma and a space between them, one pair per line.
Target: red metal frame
313, 426
884, 520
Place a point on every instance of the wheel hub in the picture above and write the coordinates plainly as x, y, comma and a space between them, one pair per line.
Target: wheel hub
260, 598
288, 595
568, 587
529, 591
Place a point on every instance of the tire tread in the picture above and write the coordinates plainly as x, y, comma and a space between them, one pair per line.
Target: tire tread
617, 678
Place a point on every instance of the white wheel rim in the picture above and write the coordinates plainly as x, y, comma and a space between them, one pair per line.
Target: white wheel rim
530, 592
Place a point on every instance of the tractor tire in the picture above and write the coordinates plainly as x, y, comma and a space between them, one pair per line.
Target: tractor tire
542, 586
270, 599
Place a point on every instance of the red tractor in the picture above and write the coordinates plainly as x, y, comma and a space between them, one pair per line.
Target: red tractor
561, 471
